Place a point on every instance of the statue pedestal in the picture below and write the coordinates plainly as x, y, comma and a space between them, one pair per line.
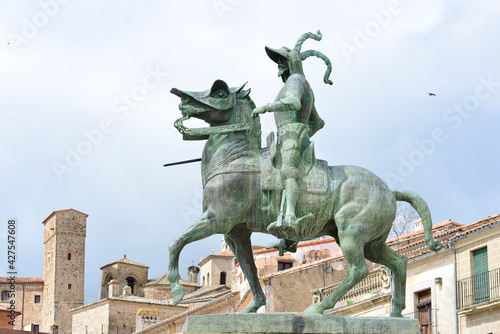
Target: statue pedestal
296, 323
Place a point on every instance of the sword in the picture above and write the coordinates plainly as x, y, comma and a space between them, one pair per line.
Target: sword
181, 162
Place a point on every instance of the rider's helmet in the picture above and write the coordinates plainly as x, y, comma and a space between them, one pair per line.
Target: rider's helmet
290, 60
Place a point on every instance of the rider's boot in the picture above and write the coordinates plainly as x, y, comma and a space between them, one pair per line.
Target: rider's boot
292, 195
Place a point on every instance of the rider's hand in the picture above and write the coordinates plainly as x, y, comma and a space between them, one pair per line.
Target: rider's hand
259, 110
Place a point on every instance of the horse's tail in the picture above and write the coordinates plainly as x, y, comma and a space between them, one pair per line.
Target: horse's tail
423, 210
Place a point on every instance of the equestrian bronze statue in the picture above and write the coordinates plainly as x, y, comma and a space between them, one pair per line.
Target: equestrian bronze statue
245, 190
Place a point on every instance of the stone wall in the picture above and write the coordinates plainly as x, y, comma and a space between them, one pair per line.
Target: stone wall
486, 321
111, 315
91, 319
290, 291
174, 324
32, 311
14, 331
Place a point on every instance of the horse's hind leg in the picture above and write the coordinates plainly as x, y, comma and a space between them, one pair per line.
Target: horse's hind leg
379, 252
202, 228
356, 271
240, 244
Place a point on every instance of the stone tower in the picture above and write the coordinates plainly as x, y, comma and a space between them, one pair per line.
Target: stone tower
63, 267
127, 273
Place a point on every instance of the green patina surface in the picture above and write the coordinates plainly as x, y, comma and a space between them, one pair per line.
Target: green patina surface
297, 323
282, 189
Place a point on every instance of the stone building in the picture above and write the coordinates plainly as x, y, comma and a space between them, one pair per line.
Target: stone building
476, 250
63, 267
118, 313
45, 302
216, 269
127, 272
28, 301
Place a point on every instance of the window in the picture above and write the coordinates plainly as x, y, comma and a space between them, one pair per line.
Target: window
223, 278
130, 282
208, 279
5, 295
69, 256
424, 314
481, 279
284, 265
37, 299
69, 286
36, 328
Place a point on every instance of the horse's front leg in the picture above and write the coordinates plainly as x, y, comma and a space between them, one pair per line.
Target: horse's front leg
239, 242
204, 227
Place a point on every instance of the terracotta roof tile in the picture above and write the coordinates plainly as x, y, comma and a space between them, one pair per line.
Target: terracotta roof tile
22, 280
301, 244
480, 224
126, 261
162, 280
225, 253
45, 220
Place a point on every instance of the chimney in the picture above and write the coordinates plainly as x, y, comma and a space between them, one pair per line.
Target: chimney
114, 288
418, 225
193, 274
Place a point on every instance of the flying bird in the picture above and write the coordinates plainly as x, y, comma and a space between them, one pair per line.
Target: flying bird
431, 94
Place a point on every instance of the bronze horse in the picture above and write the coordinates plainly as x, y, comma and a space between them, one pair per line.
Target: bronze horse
241, 196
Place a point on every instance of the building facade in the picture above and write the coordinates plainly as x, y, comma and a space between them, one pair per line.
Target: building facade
477, 256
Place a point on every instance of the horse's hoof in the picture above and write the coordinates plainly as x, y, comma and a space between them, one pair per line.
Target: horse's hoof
396, 314
252, 307
178, 292
315, 309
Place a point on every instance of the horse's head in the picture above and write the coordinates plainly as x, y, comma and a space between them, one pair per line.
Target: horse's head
218, 106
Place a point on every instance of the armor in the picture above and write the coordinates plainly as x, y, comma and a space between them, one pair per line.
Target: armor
295, 115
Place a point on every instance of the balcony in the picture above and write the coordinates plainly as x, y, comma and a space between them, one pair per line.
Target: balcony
479, 289
376, 283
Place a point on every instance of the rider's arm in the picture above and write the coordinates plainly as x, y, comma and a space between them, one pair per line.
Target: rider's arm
290, 101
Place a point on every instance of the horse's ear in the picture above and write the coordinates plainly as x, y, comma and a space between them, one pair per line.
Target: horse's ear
243, 93
219, 84
239, 89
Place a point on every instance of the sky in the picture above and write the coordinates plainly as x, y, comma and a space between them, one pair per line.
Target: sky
87, 116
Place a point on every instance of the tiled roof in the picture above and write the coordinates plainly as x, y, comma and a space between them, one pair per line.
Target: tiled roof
22, 280
3, 308
480, 224
303, 266
210, 292
188, 312
45, 220
126, 261
412, 250
301, 244
225, 253
162, 280
129, 299
421, 232
136, 299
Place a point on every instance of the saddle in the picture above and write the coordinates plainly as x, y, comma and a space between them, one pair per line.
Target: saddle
314, 179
